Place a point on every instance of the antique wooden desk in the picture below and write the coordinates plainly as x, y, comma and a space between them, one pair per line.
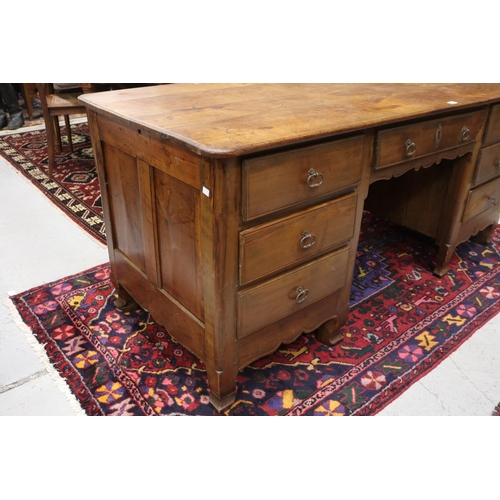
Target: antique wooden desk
233, 211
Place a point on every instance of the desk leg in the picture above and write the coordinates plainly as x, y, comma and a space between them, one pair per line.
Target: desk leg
329, 332
124, 301
445, 252
219, 230
222, 388
484, 236
443, 259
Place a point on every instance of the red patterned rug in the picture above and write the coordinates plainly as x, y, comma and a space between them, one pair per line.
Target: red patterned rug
74, 187
403, 322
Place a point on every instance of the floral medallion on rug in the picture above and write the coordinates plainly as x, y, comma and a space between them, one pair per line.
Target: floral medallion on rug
74, 187
403, 322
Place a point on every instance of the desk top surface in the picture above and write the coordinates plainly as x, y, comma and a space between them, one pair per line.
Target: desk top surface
225, 120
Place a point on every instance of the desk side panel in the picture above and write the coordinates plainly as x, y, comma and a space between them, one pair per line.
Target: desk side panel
152, 213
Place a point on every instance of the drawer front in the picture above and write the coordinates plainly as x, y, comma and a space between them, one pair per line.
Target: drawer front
278, 244
277, 298
482, 199
492, 132
281, 180
488, 164
420, 139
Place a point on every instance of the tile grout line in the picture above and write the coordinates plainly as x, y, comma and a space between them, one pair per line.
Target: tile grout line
23, 381
49, 368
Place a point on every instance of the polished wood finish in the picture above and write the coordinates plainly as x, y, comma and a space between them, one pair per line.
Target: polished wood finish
488, 164
424, 138
281, 180
231, 120
492, 133
233, 212
277, 298
274, 246
482, 199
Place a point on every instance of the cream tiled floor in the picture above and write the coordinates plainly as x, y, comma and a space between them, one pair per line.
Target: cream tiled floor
39, 244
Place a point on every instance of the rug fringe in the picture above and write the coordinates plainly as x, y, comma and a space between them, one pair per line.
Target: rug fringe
39, 349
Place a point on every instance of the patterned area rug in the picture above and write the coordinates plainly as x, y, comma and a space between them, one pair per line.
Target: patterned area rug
74, 187
403, 322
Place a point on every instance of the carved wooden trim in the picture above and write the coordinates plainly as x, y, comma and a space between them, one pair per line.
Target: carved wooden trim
424, 162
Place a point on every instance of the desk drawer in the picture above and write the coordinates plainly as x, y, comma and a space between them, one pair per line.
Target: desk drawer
281, 180
277, 298
482, 199
492, 132
488, 164
420, 139
276, 245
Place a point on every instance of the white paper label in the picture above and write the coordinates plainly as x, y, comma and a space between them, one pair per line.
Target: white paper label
206, 191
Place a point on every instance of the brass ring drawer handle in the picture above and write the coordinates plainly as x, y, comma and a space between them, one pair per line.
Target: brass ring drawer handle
493, 200
301, 294
465, 133
307, 240
314, 179
411, 148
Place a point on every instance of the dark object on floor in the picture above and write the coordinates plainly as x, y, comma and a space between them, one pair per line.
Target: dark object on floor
9, 96
16, 121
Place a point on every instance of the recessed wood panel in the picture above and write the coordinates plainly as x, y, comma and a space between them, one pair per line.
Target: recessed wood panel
125, 204
177, 208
